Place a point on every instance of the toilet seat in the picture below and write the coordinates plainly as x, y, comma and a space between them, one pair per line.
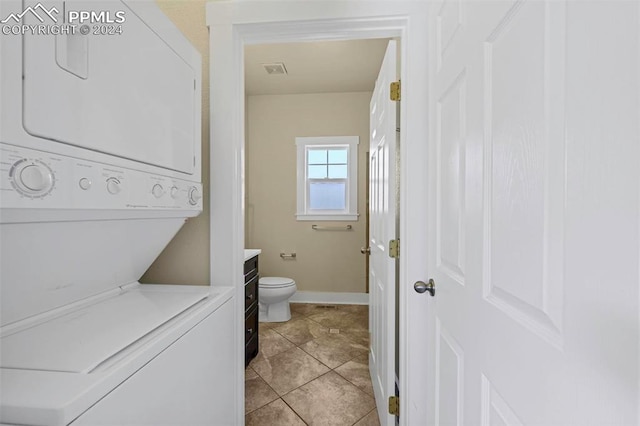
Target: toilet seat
275, 282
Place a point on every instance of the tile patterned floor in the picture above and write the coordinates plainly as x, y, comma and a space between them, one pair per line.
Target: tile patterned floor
312, 370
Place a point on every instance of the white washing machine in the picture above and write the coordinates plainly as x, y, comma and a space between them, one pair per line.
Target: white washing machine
99, 168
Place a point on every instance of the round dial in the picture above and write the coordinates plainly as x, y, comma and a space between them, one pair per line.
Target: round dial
174, 192
32, 178
85, 183
113, 186
157, 190
194, 195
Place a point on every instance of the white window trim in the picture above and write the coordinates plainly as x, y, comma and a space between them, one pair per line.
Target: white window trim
351, 213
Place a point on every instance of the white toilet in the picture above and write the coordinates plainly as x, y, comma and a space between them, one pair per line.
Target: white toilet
273, 297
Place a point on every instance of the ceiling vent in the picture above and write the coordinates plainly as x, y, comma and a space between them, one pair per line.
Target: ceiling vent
275, 68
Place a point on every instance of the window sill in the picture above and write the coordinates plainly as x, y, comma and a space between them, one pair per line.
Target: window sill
328, 217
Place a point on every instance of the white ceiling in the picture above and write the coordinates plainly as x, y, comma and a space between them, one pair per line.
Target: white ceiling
314, 67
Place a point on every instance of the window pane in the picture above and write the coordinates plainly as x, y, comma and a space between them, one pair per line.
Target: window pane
338, 172
317, 172
338, 156
327, 196
317, 156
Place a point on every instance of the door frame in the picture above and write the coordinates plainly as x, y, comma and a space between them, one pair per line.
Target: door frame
232, 25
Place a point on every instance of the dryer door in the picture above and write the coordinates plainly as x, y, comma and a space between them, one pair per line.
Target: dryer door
120, 89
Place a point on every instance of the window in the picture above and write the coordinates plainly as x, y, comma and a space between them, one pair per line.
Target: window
327, 178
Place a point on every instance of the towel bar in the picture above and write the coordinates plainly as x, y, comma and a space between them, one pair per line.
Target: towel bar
331, 228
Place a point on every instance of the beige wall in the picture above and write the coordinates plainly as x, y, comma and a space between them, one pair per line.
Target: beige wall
186, 258
327, 260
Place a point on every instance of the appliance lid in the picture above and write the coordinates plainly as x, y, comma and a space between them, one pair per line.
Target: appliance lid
81, 339
275, 282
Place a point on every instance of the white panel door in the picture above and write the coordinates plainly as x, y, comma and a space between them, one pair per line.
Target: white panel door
382, 222
534, 112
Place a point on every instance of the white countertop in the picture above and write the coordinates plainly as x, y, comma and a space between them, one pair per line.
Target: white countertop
249, 253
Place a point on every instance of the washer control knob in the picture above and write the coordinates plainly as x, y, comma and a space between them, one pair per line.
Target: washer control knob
32, 177
84, 183
35, 178
157, 190
194, 195
174, 192
113, 186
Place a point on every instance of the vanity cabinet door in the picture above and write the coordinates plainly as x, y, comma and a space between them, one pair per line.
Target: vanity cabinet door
250, 293
251, 289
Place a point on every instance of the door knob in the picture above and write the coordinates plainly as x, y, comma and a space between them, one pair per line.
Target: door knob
421, 287
365, 250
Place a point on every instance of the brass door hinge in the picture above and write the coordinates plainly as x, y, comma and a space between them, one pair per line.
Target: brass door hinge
394, 249
394, 405
394, 91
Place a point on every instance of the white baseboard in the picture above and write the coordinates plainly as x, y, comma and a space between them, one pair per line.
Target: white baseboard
329, 297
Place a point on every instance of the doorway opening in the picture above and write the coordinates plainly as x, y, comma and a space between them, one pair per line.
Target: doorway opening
313, 90
234, 25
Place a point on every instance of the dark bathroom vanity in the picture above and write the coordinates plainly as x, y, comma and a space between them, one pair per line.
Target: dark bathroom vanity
251, 277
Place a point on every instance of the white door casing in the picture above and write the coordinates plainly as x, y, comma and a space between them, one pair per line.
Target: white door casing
234, 24
534, 183
382, 229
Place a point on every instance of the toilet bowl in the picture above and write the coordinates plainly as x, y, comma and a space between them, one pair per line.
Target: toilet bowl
273, 297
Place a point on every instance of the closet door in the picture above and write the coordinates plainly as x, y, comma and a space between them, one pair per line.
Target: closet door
535, 232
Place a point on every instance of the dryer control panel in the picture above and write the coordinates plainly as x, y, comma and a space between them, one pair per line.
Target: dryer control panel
36, 179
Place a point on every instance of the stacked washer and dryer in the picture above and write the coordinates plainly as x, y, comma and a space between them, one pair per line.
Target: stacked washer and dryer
100, 166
